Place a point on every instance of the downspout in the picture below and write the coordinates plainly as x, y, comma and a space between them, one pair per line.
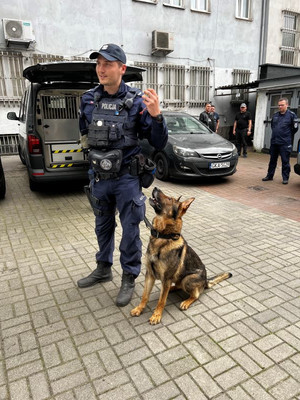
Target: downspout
263, 33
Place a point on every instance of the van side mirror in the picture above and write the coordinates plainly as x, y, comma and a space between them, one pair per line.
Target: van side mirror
12, 116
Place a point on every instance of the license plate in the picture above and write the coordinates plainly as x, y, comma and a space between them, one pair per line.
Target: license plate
216, 165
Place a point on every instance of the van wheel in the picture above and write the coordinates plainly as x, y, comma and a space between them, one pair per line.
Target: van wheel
21, 155
162, 168
34, 186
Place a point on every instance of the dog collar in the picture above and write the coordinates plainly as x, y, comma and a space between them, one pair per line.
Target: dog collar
158, 235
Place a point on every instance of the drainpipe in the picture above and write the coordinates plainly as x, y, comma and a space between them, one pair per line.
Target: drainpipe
263, 33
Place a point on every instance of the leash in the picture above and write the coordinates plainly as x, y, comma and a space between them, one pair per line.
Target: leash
158, 235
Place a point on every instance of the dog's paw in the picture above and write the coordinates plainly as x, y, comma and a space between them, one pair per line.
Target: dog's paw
155, 318
185, 304
136, 312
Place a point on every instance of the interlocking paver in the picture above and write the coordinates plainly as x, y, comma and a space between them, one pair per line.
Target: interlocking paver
241, 340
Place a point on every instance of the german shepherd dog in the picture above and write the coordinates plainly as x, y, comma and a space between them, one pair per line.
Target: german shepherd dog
170, 259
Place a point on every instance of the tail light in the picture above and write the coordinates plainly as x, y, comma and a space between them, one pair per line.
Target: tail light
34, 145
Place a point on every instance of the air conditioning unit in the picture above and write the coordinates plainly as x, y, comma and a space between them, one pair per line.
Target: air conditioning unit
17, 32
162, 43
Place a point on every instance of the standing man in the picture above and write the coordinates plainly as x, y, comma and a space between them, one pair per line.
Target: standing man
207, 118
216, 117
112, 116
242, 128
284, 125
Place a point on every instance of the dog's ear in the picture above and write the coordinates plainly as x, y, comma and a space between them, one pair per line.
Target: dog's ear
185, 205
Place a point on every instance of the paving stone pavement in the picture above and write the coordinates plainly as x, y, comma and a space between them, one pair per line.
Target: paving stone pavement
240, 341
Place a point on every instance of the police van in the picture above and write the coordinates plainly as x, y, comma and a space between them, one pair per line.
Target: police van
297, 165
48, 120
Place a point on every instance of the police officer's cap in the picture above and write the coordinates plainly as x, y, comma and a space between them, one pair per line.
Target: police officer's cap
111, 52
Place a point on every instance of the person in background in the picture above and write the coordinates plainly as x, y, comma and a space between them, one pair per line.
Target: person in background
242, 128
284, 125
207, 118
216, 117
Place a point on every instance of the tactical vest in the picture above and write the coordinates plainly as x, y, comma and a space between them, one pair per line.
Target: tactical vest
110, 127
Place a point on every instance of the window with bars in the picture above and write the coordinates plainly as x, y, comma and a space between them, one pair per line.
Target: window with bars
243, 9
290, 39
150, 76
11, 76
199, 86
200, 5
240, 76
174, 85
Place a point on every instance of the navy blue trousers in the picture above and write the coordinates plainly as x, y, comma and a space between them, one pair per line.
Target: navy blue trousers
125, 195
285, 152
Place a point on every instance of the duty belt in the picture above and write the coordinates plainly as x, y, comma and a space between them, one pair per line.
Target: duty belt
105, 176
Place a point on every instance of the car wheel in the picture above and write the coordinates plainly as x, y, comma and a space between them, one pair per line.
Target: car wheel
162, 168
21, 155
2, 182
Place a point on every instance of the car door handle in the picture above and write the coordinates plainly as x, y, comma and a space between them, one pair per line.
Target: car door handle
46, 126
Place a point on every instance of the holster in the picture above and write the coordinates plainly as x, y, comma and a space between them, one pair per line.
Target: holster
144, 168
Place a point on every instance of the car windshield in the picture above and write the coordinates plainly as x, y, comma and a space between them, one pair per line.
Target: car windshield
179, 124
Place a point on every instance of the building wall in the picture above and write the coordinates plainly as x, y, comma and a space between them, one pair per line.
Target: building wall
275, 24
217, 40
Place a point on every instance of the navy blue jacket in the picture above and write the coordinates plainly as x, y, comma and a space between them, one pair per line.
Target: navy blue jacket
284, 126
155, 132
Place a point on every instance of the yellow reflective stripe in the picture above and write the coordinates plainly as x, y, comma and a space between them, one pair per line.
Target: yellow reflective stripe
67, 151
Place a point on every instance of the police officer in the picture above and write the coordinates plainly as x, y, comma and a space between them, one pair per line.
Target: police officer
112, 115
284, 125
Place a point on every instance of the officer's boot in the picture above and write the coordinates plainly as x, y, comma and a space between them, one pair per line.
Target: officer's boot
126, 291
101, 274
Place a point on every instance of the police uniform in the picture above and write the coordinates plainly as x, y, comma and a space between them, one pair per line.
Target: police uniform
113, 124
284, 126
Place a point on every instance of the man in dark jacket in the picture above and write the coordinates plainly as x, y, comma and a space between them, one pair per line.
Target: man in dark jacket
284, 125
242, 128
112, 117
207, 117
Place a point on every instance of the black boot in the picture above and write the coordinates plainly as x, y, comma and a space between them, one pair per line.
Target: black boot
126, 291
101, 274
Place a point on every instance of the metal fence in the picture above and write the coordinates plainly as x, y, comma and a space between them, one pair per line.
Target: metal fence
9, 144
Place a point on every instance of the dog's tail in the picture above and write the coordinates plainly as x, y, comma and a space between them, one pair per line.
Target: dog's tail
217, 279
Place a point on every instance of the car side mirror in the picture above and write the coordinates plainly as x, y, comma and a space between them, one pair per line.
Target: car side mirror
12, 116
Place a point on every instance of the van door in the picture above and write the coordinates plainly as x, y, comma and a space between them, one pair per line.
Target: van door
57, 124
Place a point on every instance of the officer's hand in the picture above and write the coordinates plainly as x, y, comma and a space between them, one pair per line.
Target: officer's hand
84, 142
151, 101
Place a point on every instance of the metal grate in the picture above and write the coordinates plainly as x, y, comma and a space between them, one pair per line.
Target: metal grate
199, 86
59, 107
240, 76
150, 76
9, 144
11, 80
290, 38
174, 85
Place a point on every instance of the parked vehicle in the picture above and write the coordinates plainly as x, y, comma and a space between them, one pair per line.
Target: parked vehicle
193, 150
297, 165
2, 181
48, 120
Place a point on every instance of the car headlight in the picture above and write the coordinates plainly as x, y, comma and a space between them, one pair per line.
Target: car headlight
183, 152
234, 151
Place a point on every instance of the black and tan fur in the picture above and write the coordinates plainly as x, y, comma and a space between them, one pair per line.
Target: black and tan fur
172, 260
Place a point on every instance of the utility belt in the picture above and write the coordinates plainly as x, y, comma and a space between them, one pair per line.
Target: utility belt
108, 165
